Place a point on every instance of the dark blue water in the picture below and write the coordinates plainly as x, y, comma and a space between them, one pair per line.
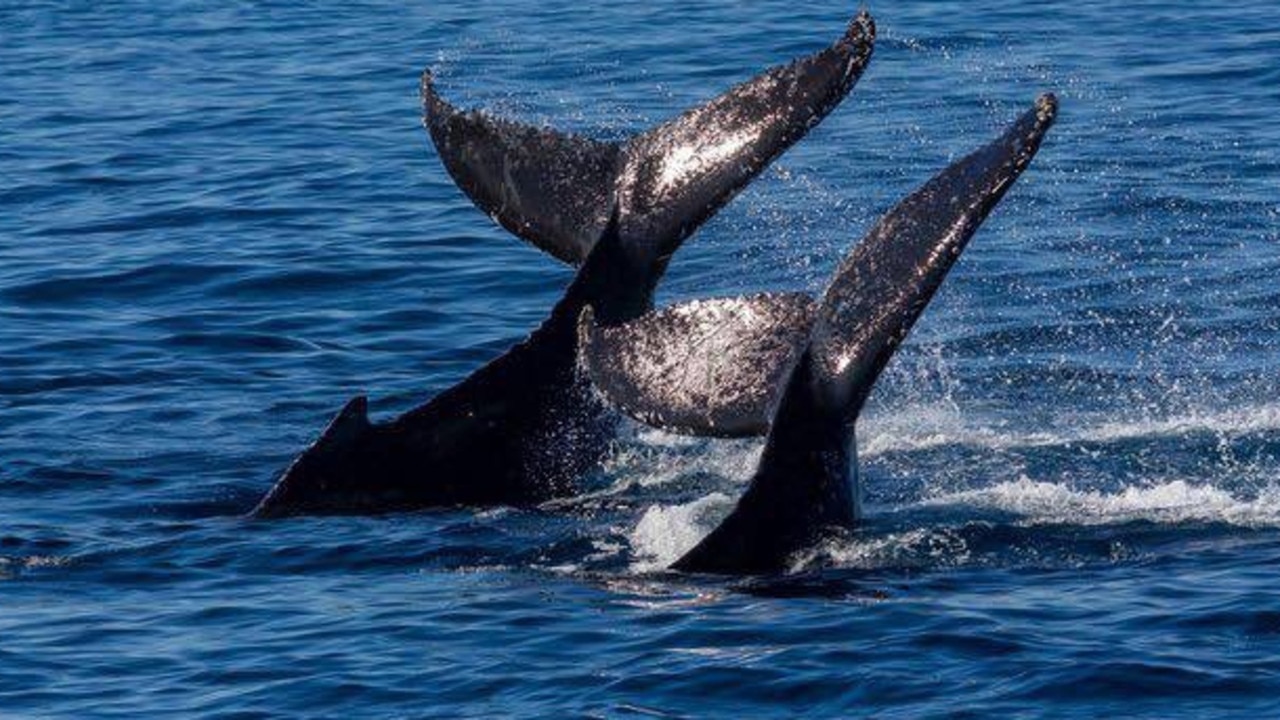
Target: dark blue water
220, 220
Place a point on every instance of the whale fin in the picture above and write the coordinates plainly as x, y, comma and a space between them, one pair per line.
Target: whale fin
329, 455
707, 367
352, 418
550, 188
803, 489
554, 189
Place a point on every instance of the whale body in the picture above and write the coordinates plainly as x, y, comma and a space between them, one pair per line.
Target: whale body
524, 428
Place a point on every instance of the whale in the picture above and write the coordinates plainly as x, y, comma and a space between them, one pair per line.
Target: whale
799, 370
525, 428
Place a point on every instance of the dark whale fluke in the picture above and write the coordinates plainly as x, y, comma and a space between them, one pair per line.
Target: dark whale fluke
524, 428
805, 486
555, 189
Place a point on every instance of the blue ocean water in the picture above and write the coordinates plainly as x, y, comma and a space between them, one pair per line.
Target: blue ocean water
220, 220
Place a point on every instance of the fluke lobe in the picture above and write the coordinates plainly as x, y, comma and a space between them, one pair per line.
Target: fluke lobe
524, 428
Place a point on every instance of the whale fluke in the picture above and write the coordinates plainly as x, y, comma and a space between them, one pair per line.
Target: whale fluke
526, 428
555, 189
707, 367
888, 279
806, 485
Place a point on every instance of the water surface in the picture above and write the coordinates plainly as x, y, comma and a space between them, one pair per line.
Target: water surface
219, 221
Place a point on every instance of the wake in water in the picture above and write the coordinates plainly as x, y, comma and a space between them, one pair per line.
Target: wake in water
944, 425
1178, 501
998, 518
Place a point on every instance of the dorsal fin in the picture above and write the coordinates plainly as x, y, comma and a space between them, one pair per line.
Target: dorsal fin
706, 367
554, 189
307, 478
352, 419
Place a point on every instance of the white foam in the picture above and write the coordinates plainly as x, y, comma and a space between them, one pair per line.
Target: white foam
925, 427
1236, 421
665, 533
922, 546
1176, 501
1044, 503
9, 566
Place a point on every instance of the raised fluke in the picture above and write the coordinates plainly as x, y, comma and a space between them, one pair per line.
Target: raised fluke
805, 487
882, 287
555, 189
707, 367
680, 173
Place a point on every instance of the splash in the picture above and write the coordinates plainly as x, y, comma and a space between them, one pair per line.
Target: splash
12, 567
920, 547
666, 533
941, 521
653, 458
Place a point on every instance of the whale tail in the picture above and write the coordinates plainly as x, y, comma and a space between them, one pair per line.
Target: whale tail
519, 430
555, 189
806, 485
803, 487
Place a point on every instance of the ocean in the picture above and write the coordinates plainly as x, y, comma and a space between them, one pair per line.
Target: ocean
221, 220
